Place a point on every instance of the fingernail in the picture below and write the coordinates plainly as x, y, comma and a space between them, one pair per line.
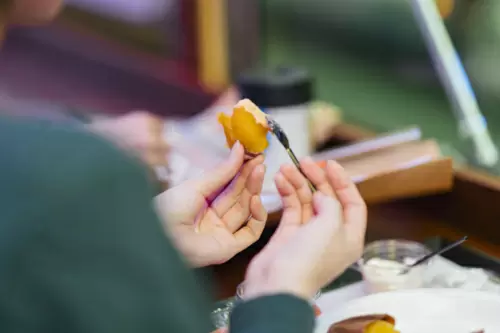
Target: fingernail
330, 164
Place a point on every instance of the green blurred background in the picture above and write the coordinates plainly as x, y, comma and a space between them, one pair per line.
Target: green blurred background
369, 58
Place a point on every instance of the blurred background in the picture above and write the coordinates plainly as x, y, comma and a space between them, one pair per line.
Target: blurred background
173, 57
368, 59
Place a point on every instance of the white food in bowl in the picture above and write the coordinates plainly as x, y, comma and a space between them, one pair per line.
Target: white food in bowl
385, 275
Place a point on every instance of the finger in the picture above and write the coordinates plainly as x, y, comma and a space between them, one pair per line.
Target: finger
348, 195
156, 124
151, 140
258, 211
163, 155
238, 214
150, 123
221, 175
160, 146
157, 129
154, 159
228, 98
291, 217
154, 137
251, 178
288, 193
153, 122
292, 208
317, 176
251, 232
293, 175
329, 212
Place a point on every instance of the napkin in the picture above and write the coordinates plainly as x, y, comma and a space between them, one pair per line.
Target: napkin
443, 273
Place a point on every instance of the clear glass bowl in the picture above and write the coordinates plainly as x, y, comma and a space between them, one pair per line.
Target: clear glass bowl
383, 261
220, 316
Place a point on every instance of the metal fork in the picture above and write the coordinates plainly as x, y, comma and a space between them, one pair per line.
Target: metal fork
283, 139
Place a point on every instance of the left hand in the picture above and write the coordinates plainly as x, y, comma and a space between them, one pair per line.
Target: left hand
324, 232
140, 132
292, 185
214, 217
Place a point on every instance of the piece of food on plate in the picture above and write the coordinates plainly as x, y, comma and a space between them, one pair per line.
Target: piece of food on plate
378, 323
248, 125
317, 310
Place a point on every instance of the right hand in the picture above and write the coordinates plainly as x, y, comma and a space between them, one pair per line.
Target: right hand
304, 256
215, 216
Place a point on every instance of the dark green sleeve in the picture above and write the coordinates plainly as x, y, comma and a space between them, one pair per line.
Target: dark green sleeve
81, 249
273, 314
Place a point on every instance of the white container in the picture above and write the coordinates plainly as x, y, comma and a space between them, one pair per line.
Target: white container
294, 120
385, 275
285, 94
383, 261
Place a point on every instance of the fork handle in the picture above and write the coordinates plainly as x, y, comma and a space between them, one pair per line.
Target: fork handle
297, 164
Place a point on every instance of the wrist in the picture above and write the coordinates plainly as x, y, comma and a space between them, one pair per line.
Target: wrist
255, 288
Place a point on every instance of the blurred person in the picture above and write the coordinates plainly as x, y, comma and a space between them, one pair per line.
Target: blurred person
140, 132
82, 247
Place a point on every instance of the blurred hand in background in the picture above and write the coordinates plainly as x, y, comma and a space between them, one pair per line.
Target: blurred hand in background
139, 132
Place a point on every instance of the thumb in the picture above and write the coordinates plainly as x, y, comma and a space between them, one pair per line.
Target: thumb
222, 174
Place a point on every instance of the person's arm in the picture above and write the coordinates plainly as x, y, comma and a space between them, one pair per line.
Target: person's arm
281, 313
82, 249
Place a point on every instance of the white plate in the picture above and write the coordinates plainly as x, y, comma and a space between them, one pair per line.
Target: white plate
426, 310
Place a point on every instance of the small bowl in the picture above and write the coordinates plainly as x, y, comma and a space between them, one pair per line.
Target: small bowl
383, 261
220, 316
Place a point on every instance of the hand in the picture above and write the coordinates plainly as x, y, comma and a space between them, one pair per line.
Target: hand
211, 221
140, 132
319, 235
